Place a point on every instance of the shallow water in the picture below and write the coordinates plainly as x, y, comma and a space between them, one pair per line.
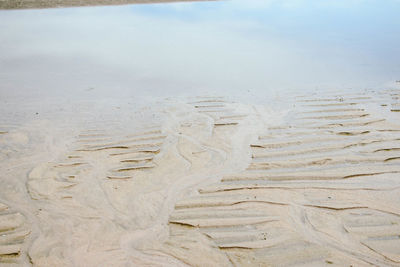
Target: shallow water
254, 49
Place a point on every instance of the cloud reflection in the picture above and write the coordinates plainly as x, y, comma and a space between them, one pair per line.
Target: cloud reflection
230, 47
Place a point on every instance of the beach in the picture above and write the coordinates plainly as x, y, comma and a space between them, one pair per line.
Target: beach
153, 155
205, 181
37, 4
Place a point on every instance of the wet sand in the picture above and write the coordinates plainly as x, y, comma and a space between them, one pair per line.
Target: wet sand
27, 4
202, 181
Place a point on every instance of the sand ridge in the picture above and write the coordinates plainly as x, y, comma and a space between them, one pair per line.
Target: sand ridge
205, 181
257, 217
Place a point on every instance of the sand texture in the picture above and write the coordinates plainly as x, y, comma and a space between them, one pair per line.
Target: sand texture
203, 181
26, 4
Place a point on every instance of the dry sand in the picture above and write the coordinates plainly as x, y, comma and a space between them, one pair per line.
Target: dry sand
26, 4
202, 181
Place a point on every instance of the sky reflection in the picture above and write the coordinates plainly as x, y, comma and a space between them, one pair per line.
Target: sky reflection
227, 47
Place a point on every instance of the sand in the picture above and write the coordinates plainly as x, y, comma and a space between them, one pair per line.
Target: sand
27, 4
201, 181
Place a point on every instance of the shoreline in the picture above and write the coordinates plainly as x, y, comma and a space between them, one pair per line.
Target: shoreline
44, 4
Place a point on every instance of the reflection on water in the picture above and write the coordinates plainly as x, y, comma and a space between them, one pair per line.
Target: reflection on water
234, 47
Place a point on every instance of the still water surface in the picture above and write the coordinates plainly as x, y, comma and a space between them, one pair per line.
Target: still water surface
229, 47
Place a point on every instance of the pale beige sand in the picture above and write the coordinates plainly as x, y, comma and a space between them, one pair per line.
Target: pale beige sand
202, 182
26, 4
